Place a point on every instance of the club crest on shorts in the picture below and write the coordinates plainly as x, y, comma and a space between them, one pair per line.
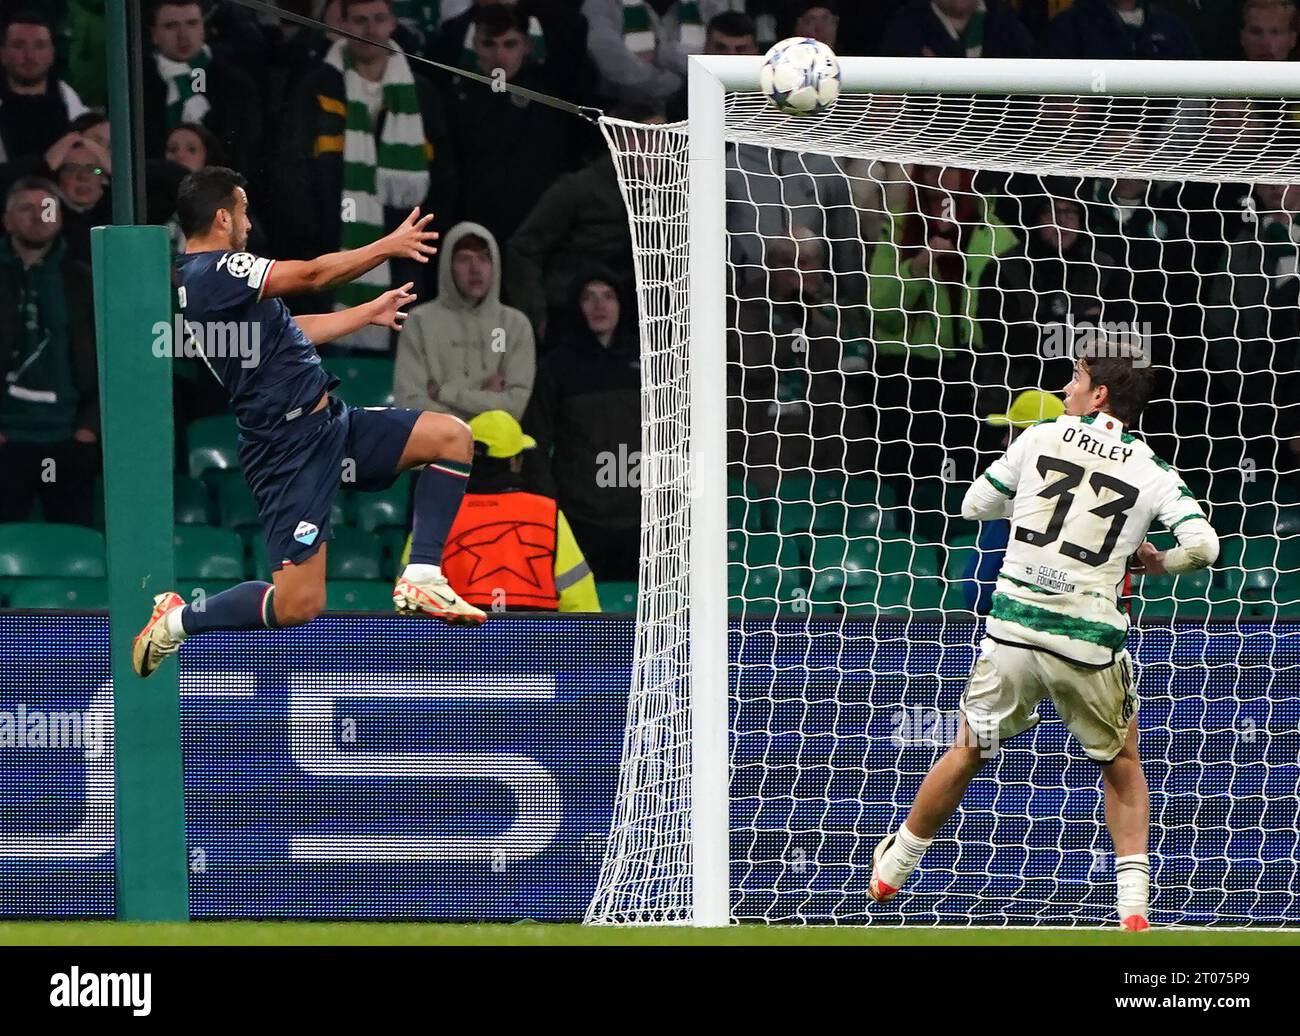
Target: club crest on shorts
306, 533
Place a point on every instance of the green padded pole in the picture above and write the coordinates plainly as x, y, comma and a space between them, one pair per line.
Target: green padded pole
132, 306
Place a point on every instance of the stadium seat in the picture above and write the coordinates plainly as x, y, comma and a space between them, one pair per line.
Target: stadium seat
1182, 597
366, 380
900, 555
840, 565
212, 443
840, 519
235, 503
191, 501
901, 595
393, 542
353, 554
58, 593
205, 552
765, 588
372, 511
617, 597
48, 550
764, 548
745, 514
358, 595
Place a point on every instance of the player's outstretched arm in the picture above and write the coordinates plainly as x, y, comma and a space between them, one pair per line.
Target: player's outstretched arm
385, 311
411, 240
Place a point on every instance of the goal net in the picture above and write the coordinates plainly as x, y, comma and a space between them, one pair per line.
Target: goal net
896, 273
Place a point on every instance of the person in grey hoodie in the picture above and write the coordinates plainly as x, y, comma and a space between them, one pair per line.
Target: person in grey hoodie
466, 352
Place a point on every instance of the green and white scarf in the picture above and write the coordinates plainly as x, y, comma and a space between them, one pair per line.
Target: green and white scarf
639, 23
184, 103
392, 171
469, 57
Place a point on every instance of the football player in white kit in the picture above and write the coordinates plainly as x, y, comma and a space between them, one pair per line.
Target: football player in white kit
1081, 493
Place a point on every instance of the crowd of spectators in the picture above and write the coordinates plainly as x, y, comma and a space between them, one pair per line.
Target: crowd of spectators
866, 298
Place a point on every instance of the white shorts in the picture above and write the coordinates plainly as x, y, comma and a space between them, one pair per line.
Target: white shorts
1007, 683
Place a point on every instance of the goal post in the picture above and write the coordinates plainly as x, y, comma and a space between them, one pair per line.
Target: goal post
803, 562
709, 701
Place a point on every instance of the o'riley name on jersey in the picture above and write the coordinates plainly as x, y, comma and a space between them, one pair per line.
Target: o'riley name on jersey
1098, 448
1082, 495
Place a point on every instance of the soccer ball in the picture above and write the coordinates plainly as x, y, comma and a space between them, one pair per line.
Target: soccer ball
801, 76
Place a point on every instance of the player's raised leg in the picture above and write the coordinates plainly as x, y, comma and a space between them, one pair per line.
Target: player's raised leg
1128, 816
297, 596
938, 798
444, 447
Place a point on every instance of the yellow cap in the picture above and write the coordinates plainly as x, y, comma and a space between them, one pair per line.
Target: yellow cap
500, 433
1029, 408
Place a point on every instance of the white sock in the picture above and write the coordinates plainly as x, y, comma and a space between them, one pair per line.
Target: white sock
422, 573
1133, 878
911, 847
172, 624
897, 864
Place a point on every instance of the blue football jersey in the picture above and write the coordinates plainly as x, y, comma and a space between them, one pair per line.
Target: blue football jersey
268, 367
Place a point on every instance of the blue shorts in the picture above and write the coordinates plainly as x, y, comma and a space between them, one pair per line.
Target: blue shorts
295, 474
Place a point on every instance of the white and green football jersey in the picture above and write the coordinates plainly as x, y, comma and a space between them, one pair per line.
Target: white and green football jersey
1081, 494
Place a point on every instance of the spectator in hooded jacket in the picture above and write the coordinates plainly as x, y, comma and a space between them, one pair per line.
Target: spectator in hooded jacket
1119, 29
49, 405
465, 353
957, 29
586, 417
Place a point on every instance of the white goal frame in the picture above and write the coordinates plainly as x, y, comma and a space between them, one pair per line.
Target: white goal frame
710, 78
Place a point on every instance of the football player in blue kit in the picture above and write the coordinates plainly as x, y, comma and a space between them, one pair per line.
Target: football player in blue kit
294, 435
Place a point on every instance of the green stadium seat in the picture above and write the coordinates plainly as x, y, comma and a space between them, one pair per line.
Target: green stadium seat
212, 443
235, 503
358, 595
58, 593
1288, 521
49, 550
191, 501
1184, 597
900, 555
205, 552
393, 542
366, 380
353, 554
617, 597
765, 588
372, 511
763, 548
745, 515
905, 596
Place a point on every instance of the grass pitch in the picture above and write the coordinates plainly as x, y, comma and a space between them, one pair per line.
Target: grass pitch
289, 933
